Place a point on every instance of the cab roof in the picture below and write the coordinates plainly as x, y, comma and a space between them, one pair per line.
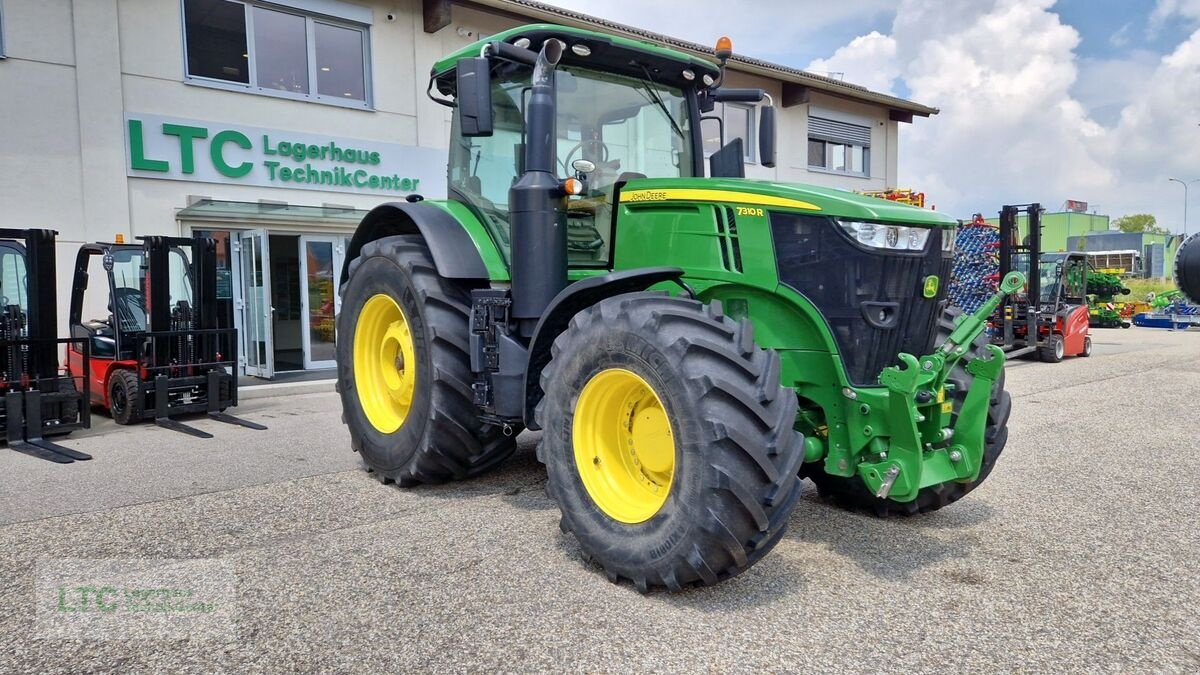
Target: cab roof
607, 52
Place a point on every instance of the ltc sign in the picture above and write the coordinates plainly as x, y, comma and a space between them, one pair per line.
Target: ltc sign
208, 152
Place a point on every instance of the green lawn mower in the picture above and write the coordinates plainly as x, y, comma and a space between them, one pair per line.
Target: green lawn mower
690, 343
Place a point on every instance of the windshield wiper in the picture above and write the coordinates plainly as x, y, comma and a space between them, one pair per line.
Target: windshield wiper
657, 100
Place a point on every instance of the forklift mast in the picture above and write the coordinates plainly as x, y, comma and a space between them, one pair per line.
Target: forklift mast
1011, 246
37, 399
42, 314
203, 310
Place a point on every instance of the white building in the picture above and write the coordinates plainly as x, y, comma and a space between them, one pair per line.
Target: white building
272, 126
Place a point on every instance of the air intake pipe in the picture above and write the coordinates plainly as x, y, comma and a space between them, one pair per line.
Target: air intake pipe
539, 228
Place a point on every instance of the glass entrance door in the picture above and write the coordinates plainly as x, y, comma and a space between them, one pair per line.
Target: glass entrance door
258, 345
320, 267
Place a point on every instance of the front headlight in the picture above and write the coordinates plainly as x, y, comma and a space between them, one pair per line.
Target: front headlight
890, 237
948, 238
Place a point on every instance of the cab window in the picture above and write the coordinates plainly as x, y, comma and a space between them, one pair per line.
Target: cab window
13, 282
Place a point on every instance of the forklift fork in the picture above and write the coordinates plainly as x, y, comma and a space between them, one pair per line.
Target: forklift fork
162, 410
162, 404
24, 410
214, 403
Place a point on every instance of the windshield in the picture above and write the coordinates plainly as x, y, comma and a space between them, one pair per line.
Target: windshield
1068, 273
628, 127
130, 285
1048, 274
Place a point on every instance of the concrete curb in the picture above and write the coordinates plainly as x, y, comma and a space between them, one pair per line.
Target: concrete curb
285, 389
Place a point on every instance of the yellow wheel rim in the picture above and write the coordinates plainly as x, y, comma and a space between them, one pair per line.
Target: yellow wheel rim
624, 446
385, 363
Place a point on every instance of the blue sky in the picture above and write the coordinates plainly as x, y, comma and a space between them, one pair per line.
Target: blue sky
1041, 100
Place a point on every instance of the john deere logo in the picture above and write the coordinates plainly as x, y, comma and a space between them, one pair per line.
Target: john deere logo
931, 286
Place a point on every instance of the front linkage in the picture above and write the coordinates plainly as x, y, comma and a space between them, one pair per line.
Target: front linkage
916, 441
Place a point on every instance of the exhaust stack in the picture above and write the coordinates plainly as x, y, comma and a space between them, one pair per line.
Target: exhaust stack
539, 231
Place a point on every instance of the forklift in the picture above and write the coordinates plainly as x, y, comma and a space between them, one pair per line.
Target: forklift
39, 401
160, 353
1050, 319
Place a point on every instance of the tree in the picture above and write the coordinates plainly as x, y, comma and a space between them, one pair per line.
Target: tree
1139, 222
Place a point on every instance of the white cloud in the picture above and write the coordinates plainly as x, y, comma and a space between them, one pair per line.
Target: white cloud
870, 59
1159, 135
1106, 85
1121, 37
1014, 126
1189, 10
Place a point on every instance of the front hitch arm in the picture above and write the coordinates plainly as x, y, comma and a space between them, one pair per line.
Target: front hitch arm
968, 326
911, 462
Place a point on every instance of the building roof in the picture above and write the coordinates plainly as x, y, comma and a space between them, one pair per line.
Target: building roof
542, 12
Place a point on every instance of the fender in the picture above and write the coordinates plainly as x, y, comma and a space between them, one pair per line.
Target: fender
454, 252
569, 302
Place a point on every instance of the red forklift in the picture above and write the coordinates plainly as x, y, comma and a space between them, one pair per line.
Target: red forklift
160, 353
39, 401
1050, 319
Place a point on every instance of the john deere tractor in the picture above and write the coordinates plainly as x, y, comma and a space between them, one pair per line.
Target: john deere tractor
690, 343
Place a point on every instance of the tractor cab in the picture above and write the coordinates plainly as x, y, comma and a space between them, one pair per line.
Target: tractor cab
156, 349
615, 115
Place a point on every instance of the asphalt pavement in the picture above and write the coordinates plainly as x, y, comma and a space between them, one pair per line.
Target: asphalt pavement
1080, 553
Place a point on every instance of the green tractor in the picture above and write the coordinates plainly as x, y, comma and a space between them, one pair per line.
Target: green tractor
690, 346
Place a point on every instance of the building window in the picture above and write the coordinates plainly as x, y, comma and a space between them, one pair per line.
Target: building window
276, 50
738, 122
840, 147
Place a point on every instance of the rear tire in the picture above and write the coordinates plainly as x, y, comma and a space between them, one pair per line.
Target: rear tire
125, 397
1087, 347
1052, 351
851, 492
733, 455
436, 435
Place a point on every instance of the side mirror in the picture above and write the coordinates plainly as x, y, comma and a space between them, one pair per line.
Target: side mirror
766, 136
473, 97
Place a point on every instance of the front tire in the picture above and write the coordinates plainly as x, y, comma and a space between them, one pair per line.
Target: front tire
668, 441
1053, 351
404, 373
125, 397
852, 493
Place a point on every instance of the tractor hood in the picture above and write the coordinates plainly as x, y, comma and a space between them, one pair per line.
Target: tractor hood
781, 196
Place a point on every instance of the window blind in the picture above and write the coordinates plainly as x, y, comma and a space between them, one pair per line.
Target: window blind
839, 132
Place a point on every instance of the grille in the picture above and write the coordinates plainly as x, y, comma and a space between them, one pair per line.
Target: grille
871, 299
